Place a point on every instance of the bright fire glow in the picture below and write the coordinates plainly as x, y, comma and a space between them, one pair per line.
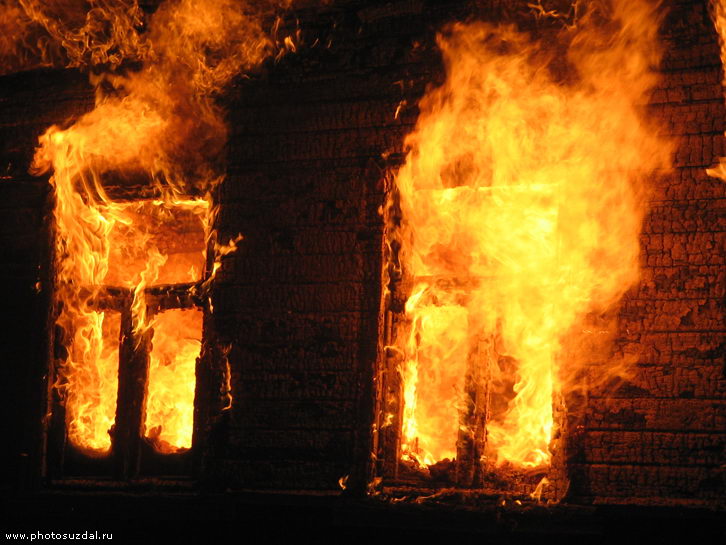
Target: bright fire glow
522, 198
157, 124
718, 14
132, 245
170, 401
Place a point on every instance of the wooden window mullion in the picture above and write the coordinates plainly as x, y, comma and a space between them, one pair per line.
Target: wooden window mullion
132, 386
471, 439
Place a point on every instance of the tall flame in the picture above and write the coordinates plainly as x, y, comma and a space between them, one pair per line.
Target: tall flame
156, 123
718, 14
522, 201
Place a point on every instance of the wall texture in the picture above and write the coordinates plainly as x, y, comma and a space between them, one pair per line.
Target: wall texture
313, 138
29, 103
662, 434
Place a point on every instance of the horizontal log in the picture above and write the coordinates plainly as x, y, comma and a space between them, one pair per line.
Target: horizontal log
684, 364
673, 315
301, 212
697, 380
326, 180
305, 298
697, 52
315, 385
20, 221
317, 354
282, 414
20, 274
691, 77
644, 481
58, 96
681, 449
687, 249
681, 349
284, 329
24, 192
701, 91
307, 269
681, 282
330, 356
307, 241
20, 249
686, 217
333, 440
686, 183
311, 182
340, 83
262, 148
649, 414
308, 445
699, 150
678, 116
276, 475
687, 19
293, 117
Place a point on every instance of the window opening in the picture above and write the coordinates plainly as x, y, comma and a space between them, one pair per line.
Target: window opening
130, 312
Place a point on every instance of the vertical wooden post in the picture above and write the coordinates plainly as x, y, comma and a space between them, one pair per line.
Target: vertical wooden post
391, 401
471, 439
132, 387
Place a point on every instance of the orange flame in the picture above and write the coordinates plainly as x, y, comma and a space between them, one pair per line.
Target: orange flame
522, 198
158, 123
718, 14
170, 401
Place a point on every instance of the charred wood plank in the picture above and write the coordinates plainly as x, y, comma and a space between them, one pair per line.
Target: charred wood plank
130, 405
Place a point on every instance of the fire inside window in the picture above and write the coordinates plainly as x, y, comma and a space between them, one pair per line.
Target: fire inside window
514, 233
128, 332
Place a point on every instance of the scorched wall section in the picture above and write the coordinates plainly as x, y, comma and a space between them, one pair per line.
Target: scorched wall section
660, 436
29, 103
313, 140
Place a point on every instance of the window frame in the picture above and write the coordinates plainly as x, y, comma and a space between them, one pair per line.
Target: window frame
131, 456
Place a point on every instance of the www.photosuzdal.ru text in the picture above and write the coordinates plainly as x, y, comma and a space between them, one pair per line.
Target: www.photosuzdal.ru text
37, 536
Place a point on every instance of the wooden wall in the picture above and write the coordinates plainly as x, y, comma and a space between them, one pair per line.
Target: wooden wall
313, 138
662, 435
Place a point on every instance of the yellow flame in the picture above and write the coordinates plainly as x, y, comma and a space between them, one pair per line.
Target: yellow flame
159, 124
522, 198
718, 14
170, 401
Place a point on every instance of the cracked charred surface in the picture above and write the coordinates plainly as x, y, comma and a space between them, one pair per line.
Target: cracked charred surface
313, 138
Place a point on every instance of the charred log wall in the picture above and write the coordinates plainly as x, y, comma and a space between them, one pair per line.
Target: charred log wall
661, 435
29, 103
313, 140
313, 137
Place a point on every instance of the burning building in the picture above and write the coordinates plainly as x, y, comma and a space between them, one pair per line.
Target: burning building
439, 253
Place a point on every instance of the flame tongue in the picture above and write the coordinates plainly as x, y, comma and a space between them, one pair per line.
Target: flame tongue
170, 401
718, 15
160, 121
132, 246
522, 202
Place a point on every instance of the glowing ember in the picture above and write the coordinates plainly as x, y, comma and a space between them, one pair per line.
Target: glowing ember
522, 198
